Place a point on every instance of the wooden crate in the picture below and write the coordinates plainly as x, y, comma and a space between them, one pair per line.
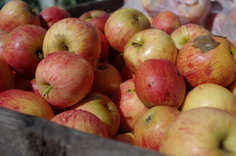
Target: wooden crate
25, 135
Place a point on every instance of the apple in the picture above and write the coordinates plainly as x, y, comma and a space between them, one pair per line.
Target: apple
186, 32
105, 47
81, 120
129, 105
63, 78
122, 25
125, 138
104, 108
210, 95
51, 15
16, 13
125, 73
23, 49
232, 87
26, 102
207, 59
166, 21
22, 82
152, 125
149, 44
34, 86
3, 36
107, 79
76, 36
201, 131
158, 82
7, 79
96, 17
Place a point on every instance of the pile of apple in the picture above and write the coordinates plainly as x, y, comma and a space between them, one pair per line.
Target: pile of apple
154, 83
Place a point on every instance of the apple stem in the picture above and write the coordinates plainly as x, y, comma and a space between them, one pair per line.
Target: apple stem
46, 93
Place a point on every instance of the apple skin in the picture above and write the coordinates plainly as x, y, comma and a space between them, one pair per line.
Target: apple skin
64, 78
26, 102
96, 17
202, 131
16, 13
83, 121
158, 82
125, 138
51, 15
215, 65
107, 79
166, 21
152, 125
3, 36
104, 108
105, 47
210, 95
122, 25
23, 49
7, 79
232, 87
76, 36
129, 105
149, 44
186, 32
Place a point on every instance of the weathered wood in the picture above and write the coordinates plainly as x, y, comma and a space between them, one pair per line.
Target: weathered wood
107, 5
24, 135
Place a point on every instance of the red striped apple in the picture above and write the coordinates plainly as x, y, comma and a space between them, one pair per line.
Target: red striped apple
83, 121
122, 25
104, 108
63, 78
152, 125
129, 105
202, 131
7, 79
96, 17
26, 102
23, 49
207, 59
16, 13
51, 15
76, 36
149, 44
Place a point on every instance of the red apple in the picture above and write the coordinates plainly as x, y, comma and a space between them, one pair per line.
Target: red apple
76, 36
97, 18
105, 47
207, 59
104, 108
3, 36
83, 121
34, 86
63, 78
23, 49
129, 105
51, 15
166, 21
122, 25
152, 125
158, 82
107, 79
149, 44
7, 79
186, 32
16, 13
25, 102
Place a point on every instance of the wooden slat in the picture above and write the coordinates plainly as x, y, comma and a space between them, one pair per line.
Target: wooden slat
24, 135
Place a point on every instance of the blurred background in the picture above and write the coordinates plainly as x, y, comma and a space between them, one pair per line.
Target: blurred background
41, 4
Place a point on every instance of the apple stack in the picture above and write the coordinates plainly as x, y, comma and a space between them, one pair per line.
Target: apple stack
153, 83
